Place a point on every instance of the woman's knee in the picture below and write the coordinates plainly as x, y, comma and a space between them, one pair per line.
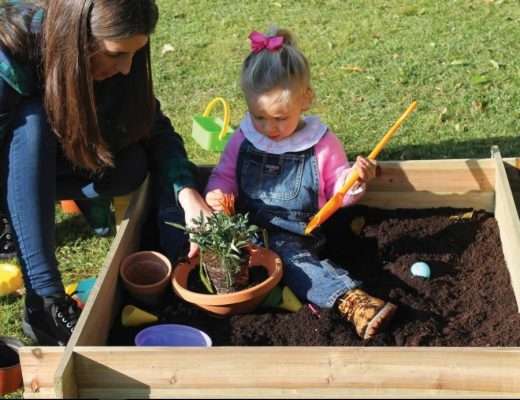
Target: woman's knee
131, 169
30, 125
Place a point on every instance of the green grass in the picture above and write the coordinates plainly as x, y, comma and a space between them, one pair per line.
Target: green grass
458, 59
80, 254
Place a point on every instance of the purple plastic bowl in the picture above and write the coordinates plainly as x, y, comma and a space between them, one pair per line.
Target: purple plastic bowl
172, 335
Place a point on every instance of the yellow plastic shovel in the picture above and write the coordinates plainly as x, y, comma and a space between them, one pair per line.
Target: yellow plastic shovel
336, 201
134, 316
282, 298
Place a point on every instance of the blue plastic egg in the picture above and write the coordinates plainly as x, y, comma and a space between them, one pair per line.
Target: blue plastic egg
421, 269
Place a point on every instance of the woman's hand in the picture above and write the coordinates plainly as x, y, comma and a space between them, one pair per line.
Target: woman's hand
193, 203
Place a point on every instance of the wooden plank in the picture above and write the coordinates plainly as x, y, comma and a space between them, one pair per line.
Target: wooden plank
512, 166
296, 371
102, 303
121, 205
300, 393
508, 223
99, 312
436, 176
65, 384
393, 200
38, 367
425, 184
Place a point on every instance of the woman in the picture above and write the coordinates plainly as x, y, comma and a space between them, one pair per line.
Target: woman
79, 120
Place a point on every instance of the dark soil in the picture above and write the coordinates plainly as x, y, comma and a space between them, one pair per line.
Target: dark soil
468, 300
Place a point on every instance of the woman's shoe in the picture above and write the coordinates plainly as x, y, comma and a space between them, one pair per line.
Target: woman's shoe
98, 213
50, 320
7, 245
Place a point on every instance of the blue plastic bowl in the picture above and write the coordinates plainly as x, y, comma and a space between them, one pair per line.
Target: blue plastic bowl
172, 335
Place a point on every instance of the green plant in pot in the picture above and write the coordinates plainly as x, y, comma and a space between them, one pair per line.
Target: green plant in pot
223, 239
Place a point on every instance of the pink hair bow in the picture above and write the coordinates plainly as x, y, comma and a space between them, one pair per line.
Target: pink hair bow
260, 42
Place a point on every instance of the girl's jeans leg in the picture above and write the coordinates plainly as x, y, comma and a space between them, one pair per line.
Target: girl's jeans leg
28, 174
319, 281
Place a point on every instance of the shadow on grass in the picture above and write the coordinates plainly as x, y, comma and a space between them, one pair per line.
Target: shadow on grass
71, 228
449, 149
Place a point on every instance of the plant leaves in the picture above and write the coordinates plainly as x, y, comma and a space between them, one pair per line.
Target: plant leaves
497, 64
352, 68
477, 106
459, 63
203, 274
479, 79
166, 49
443, 115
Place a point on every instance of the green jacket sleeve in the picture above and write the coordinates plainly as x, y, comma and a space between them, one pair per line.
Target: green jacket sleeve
168, 156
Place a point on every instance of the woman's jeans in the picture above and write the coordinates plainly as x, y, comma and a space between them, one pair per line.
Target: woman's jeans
35, 175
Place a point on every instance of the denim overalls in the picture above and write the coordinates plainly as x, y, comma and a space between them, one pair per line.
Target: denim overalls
280, 193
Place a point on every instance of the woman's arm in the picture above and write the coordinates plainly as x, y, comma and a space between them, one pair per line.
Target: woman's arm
168, 159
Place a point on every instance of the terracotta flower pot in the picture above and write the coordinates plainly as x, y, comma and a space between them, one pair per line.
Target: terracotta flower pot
241, 302
145, 275
10, 369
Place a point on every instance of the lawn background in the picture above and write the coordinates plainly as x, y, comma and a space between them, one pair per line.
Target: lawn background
458, 59
369, 59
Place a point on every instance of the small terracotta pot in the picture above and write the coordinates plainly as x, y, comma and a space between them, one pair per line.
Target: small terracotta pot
10, 369
241, 302
145, 275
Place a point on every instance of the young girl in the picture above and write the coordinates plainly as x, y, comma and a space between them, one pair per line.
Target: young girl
283, 167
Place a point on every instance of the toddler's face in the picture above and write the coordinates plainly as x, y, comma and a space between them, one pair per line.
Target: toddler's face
273, 117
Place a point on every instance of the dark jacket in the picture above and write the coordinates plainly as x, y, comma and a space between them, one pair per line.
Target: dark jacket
164, 146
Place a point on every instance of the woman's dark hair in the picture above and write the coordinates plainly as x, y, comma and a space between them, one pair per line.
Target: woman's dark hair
69, 28
62, 52
16, 33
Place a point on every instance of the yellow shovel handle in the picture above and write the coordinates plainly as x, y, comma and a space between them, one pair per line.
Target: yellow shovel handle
355, 174
227, 113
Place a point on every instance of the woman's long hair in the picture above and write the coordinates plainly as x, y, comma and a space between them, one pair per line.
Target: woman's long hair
16, 35
69, 27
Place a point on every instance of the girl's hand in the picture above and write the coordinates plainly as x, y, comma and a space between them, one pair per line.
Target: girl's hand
367, 169
193, 203
214, 198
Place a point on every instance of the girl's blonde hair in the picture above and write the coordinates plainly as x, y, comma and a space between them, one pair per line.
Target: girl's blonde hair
285, 68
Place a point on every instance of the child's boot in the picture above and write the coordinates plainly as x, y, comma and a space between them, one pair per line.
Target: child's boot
368, 314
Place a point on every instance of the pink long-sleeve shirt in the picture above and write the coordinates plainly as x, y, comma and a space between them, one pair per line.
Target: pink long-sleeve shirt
332, 161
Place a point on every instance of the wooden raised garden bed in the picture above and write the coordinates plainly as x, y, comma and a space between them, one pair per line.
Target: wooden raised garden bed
87, 368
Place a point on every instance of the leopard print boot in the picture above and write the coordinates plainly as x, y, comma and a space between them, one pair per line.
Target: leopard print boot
368, 314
